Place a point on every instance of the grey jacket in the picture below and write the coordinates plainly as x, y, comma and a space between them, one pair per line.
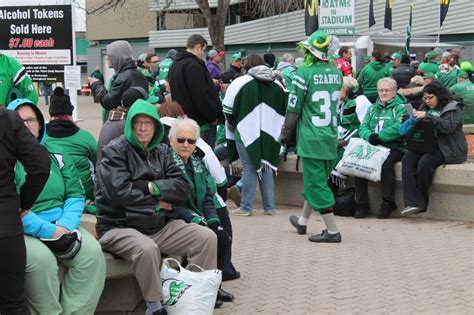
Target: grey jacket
451, 139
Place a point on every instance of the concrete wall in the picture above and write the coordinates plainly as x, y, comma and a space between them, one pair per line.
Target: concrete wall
132, 19
451, 196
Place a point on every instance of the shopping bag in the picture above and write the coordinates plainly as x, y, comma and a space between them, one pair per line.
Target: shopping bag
187, 292
361, 159
422, 139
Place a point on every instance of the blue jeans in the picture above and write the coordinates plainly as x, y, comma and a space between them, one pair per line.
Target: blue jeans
249, 181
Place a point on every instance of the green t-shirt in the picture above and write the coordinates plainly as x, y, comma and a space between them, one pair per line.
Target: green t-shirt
314, 96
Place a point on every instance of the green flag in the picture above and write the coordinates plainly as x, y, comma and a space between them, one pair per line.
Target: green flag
406, 52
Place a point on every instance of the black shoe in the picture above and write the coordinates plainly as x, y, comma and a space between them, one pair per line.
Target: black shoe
326, 237
301, 229
386, 209
161, 312
224, 296
219, 303
361, 211
227, 277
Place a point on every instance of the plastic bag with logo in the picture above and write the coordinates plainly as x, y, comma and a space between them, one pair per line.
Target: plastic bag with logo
361, 159
187, 292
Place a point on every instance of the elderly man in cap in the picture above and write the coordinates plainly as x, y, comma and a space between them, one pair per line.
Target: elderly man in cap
137, 183
235, 67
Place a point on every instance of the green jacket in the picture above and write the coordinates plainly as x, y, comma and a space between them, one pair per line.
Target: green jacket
370, 75
15, 80
465, 90
82, 149
385, 121
447, 77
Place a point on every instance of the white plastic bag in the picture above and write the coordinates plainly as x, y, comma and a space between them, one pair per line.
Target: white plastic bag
361, 159
186, 292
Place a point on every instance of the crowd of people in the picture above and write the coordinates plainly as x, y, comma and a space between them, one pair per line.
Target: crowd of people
174, 133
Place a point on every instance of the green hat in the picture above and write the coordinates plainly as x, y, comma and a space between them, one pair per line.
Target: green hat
334, 57
431, 55
430, 75
396, 56
367, 59
318, 44
462, 74
243, 52
466, 66
236, 57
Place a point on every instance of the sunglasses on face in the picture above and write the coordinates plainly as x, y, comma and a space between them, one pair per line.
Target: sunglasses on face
183, 140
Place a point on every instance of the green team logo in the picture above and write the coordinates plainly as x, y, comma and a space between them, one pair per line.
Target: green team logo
363, 152
173, 289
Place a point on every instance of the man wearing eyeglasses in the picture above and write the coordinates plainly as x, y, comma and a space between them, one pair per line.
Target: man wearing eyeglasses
137, 183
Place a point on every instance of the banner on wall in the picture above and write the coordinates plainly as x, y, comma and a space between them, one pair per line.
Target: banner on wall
337, 17
40, 38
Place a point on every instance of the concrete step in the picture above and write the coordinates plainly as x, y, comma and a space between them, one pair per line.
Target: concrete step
451, 195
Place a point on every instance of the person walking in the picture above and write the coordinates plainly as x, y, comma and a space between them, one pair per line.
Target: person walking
193, 88
17, 144
311, 118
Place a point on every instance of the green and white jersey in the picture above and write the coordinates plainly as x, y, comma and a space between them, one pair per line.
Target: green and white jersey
314, 97
165, 65
15, 80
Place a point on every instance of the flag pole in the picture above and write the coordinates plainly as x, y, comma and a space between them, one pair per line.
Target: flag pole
439, 20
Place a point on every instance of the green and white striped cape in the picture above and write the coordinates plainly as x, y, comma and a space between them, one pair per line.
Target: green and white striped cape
258, 106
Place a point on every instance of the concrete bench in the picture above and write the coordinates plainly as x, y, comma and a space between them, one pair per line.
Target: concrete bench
451, 195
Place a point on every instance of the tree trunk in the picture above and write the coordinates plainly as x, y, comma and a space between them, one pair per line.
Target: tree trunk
215, 22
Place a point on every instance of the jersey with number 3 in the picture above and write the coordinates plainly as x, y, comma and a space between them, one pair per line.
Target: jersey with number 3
315, 96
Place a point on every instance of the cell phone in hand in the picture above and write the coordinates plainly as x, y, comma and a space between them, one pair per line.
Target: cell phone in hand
409, 109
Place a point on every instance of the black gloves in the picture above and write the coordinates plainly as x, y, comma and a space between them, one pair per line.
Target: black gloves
374, 139
142, 185
222, 237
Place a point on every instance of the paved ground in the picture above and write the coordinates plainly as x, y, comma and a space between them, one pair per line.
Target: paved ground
405, 266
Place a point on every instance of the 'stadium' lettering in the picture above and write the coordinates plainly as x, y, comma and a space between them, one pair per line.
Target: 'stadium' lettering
334, 20
47, 14
15, 15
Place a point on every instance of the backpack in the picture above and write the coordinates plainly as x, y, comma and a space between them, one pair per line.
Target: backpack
345, 202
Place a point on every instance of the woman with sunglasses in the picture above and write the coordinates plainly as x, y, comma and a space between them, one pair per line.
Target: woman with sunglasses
203, 203
450, 145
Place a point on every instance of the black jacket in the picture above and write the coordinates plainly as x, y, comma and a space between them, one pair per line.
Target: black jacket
192, 87
119, 199
451, 139
18, 143
127, 76
403, 75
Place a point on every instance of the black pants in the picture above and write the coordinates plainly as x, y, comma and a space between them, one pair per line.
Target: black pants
209, 136
224, 253
12, 276
387, 180
417, 172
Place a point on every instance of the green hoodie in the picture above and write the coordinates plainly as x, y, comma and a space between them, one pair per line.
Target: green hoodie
370, 75
385, 121
142, 107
